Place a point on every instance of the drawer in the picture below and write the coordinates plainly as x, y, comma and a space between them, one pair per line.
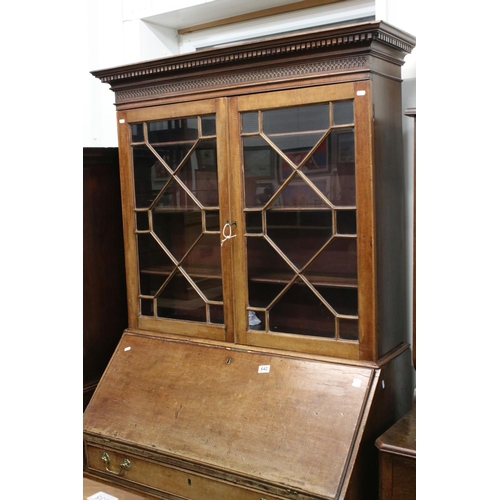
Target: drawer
134, 471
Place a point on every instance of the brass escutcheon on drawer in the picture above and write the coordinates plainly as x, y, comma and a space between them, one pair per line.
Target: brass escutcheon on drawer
124, 465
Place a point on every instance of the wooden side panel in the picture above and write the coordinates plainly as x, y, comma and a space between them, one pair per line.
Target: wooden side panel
397, 477
104, 295
391, 205
393, 399
279, 420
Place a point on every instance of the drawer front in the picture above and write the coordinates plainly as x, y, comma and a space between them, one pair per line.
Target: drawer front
132, 470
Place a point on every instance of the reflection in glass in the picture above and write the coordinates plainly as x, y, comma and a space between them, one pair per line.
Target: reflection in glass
298, 193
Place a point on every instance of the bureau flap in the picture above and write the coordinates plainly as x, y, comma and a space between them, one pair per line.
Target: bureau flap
276, 419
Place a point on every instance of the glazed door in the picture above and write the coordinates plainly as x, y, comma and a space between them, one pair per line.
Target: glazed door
301, 253
174, 183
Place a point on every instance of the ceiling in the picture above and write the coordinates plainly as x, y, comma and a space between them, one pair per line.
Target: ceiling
206, 11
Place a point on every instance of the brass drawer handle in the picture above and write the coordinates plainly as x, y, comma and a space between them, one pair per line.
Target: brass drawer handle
125, 464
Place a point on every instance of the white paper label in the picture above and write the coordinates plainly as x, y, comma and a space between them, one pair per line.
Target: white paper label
127, 348
264, 369
361, 92
121, 120
356, 382
100, 495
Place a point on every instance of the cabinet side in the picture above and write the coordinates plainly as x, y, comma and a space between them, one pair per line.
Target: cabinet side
391, 199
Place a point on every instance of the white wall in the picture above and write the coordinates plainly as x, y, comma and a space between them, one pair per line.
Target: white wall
126, 31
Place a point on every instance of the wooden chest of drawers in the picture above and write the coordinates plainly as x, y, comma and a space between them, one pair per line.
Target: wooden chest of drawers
398, 454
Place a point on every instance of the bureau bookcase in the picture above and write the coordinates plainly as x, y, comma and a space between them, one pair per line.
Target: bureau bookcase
264, 208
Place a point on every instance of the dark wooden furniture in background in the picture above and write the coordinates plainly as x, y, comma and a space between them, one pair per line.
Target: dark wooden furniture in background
398, 459
104, 295
262, 182
412, 112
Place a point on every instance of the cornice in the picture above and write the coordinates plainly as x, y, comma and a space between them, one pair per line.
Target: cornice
230, 79
283, 47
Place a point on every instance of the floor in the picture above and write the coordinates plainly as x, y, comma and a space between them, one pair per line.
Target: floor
91, 487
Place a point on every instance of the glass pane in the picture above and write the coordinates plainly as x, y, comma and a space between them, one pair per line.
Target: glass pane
174, 155
150, 175
142, 221
296, 119
216, 314
250, 122
265, 264
343, 300
212, 220
208, 125
181, 301
206, 155
299, 235
343, 113
297, 149
301, 311
154, 264
137, 132
254, 222
206, 188
346, 221
147, 307
174, 181
177, 130
348, 329
298, 193
337, 260
303, 269
258, 158
262, 293
177, 230
204, 258
343, 153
